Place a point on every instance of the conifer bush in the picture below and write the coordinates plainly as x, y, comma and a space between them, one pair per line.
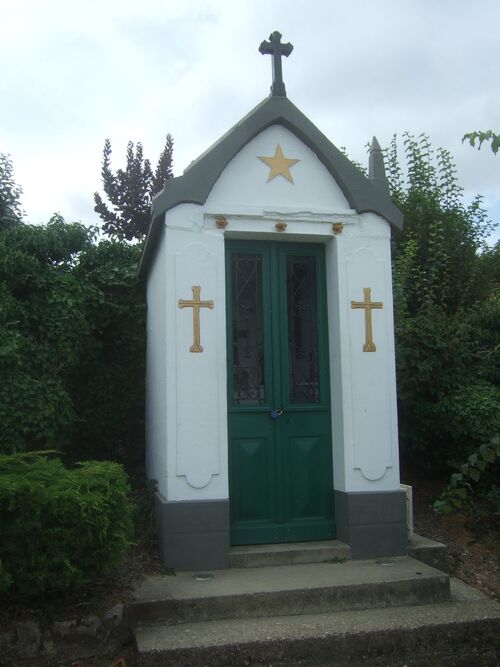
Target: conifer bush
59, 527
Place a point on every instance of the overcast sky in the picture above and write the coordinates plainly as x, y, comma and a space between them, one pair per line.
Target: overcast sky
73, 73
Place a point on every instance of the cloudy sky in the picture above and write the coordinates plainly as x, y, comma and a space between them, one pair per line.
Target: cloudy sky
75, 72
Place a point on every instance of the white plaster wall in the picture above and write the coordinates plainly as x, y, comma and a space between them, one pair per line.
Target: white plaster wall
156, 371
365, 437
187, 420
196, 382
337, 331
244, 181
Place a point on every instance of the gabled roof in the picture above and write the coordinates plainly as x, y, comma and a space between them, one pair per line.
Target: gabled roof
194, 186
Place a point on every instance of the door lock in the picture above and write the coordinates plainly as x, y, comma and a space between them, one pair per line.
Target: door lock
276, 413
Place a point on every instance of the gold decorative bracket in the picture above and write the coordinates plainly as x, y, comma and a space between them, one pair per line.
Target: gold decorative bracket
196, 304
368, 305
221, 222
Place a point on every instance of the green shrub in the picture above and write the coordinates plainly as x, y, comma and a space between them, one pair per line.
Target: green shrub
473, 415
60, 527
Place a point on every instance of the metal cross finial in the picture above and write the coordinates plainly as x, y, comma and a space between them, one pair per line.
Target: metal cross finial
275, 48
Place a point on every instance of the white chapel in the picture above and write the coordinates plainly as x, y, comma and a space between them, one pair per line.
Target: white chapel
271, 396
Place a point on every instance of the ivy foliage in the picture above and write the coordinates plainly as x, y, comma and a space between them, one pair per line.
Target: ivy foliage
60, 527
72, 339
129, 191
485, 460
43, 332
108, 384
446, 287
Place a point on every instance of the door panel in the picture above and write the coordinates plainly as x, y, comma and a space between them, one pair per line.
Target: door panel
251, 463
305, 459
280, 465
251, 471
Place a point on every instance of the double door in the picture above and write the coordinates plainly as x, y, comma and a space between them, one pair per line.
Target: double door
280, 454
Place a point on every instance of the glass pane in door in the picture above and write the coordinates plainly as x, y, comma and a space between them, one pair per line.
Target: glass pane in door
303, 353
248, 331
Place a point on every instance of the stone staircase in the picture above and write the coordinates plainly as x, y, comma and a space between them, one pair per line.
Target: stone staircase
309, 604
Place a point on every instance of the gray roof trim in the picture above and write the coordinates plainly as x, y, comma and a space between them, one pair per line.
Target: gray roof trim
195, 184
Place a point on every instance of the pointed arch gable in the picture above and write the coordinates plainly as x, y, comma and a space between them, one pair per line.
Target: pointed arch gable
194, 186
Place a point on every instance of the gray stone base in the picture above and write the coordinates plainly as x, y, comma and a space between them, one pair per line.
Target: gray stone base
194, 535
372, 523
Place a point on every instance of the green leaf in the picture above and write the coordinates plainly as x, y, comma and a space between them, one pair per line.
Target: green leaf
488, 455
475, 474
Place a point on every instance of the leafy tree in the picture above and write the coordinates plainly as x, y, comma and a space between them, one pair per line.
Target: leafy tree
481, 137
72, 328
446, 307
10, 193
130, 191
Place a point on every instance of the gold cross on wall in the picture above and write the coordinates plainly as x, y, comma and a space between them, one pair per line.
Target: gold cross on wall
368, 306
196, 304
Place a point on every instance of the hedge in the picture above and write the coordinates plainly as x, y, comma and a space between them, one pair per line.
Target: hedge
59, 526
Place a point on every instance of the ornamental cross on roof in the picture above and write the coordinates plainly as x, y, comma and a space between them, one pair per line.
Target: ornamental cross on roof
275, 48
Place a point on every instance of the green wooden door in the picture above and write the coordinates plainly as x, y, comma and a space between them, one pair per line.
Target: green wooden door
280, 455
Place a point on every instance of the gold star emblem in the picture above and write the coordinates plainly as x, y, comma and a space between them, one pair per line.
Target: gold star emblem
280, 165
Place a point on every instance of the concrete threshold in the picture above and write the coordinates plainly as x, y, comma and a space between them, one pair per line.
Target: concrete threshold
288, 590
292, 553
289, 553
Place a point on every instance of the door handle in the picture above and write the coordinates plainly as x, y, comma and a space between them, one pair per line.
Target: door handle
276, 413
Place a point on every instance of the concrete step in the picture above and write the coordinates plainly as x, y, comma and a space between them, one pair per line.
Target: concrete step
460, 632
288, 590
429, 551
292, 553
260, 555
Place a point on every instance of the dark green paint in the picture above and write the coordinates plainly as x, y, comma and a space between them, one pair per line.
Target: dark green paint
275, 48
280, 470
